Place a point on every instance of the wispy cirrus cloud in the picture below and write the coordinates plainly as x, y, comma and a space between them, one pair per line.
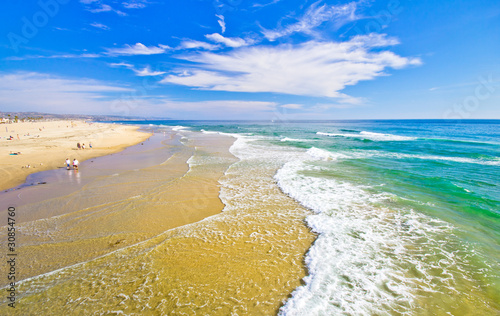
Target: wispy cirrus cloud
221, 22
193, 44
320, 69
228, 41
315, 15
117, 65
144, 72
135, 4
99, 26
126, 50
98, 6
137, 49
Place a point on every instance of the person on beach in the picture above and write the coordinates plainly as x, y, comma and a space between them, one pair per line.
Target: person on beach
90, 145
75, 164
83, 146
68, 162
78, 145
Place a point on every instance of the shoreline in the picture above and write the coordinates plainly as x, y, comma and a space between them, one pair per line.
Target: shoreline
45, 145
168, 228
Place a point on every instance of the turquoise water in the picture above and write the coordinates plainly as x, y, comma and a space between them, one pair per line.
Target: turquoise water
407, 212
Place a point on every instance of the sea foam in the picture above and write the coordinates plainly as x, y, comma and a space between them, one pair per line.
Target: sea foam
362, 260
370, 136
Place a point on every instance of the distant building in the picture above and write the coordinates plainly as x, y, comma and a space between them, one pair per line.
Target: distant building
5, 121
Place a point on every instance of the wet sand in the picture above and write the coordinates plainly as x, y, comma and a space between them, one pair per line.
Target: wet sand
46, 145
153, 240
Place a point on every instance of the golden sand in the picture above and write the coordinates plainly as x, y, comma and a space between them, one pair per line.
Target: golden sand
46, 145
246, 260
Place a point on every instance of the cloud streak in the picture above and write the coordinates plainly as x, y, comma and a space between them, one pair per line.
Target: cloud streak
314, 17
137, 49
99, 26
228, 41
145, 72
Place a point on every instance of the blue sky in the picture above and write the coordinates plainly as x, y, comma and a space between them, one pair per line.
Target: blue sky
261, 59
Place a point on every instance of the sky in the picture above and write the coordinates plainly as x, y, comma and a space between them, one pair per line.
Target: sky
252, 60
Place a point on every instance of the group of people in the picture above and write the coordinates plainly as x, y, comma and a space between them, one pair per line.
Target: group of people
75, 164
82, 146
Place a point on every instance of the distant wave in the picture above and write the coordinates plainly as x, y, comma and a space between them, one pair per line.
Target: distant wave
287, 139
370, 136
327, 155
179, 127
349, 130
461, 141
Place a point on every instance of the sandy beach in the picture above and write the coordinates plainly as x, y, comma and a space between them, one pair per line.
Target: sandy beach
46, 145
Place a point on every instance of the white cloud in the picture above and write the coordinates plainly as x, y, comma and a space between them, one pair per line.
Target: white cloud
221, 22
192, 44
101, 8
99, 26
137, 49
314, 17
228, 41
127, 50
96, 6
45, 93
146, 71
320, 69
134, 4
115, 65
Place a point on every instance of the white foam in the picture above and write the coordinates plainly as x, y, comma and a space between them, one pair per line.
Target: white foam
385, 137
444, 158
352, 265
370, 136
179, 127
288, 139
363, 154
326, 155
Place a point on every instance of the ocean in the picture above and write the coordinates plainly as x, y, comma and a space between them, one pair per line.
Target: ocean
407, 213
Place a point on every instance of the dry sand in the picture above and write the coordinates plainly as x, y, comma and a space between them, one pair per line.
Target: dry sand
46, 145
